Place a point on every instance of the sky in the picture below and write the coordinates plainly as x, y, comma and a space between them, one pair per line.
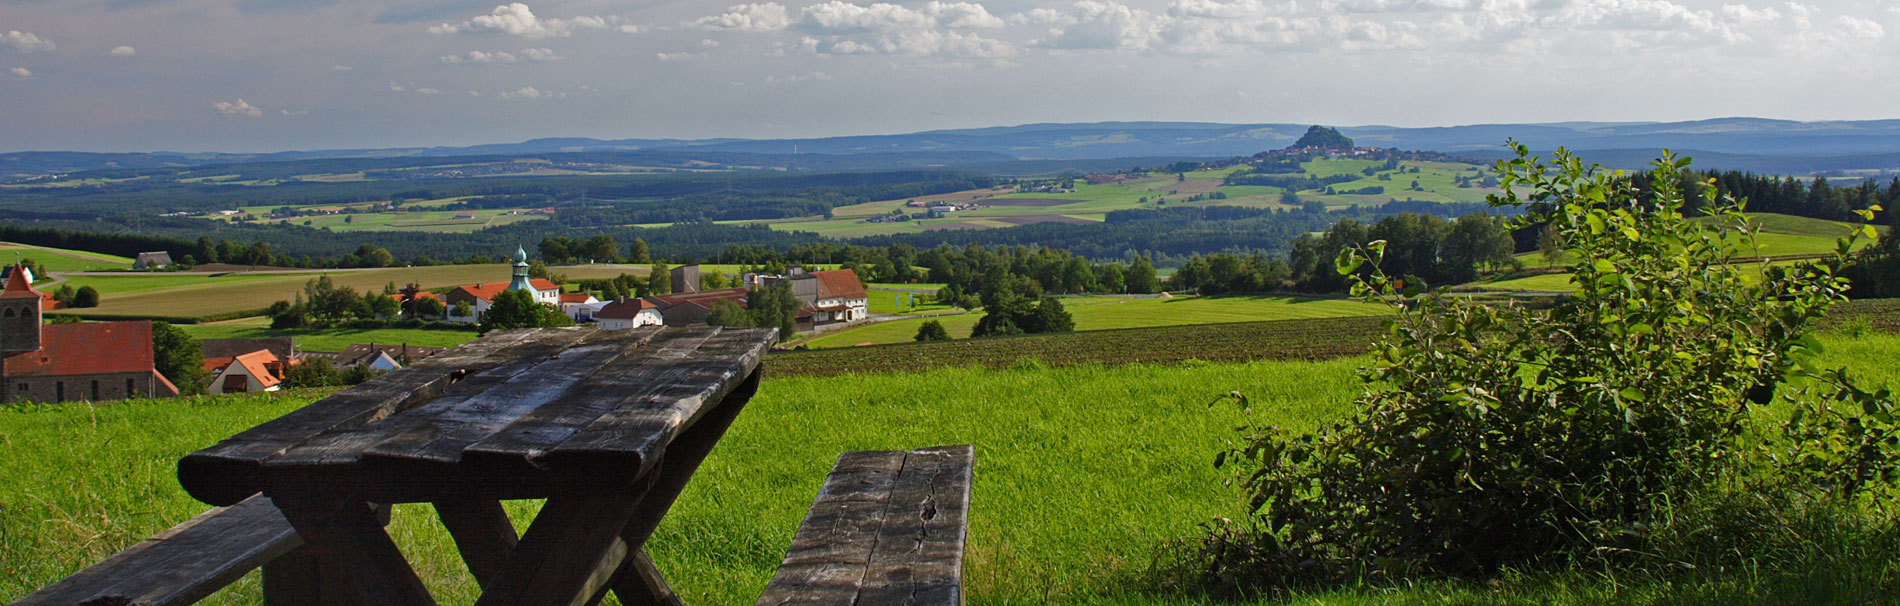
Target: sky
273, 75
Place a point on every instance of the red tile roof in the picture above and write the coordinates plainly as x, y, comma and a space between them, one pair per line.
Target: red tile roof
18, 287
839, 283
575, 297
624, 309
487, 292
257, 364
84, 349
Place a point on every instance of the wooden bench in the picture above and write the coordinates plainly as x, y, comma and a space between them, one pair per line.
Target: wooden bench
193, 560
887, 528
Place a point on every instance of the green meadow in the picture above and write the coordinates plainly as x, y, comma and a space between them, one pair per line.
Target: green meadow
62, 260
1111, 312
1085, 477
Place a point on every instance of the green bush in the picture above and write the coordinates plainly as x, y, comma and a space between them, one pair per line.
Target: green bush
1495, 436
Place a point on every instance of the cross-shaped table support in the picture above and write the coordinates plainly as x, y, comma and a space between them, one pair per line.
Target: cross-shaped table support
608, 426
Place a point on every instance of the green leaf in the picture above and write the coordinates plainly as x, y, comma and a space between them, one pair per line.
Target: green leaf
1632, 394
1346, 262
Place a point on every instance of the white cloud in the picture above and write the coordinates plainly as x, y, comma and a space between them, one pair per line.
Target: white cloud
961, 15
632, 29
396, 87
517, 19
709, 43
1097, 25
122, 51
21, 72
294, 112
26, 42
427, 91
681, 56
792, 78
529, 92
766, 17
340, 68
527, 55
836, 17
919, 43
237, 108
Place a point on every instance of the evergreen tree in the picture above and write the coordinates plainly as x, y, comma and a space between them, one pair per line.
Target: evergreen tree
659, 279
728, 313
86, 296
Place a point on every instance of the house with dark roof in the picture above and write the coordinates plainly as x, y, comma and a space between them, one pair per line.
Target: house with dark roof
688, 308
382, 357
65, 362
624, 313
152, 260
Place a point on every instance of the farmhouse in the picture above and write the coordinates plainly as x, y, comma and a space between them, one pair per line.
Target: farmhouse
624, 313
253, 372
480, 296
61, 362
152, 260
832, 295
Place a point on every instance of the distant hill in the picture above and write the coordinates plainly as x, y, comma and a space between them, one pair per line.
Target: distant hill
1322, 137
1762, 145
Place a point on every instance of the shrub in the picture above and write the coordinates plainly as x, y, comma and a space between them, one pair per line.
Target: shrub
932, 330
1499, 436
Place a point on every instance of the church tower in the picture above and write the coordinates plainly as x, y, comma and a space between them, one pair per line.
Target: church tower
521, 272
19, 313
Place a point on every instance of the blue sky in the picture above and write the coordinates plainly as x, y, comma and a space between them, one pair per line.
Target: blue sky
267, 75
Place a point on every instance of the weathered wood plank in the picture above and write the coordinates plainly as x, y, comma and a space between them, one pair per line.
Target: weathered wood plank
231, 470
648, 405
887, 528
483, 534
919, 554
347, 538
181, 565
298, 579
630, 428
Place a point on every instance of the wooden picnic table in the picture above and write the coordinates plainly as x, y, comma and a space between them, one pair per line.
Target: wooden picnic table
607, 426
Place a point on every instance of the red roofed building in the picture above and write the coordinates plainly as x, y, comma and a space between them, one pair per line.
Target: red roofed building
688, 308
63, 362
480, 296
833, 295
253, 372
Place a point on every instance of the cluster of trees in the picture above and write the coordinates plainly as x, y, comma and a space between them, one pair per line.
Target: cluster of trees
1422, 248
598, 248
1815, 198
323, 303
769, 307
518, 309
83, 297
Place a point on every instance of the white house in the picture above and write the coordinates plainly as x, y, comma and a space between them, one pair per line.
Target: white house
840, 297
624, 313
580, 306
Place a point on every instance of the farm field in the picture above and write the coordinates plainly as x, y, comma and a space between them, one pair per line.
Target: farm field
59, 259
1002, 207
1111, 312
187, 296
441, 221
328, 339
1084, 476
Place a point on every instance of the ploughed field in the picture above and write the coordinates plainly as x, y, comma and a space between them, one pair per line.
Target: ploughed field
1084, 475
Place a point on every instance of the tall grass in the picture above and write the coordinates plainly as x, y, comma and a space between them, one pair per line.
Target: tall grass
1083, 475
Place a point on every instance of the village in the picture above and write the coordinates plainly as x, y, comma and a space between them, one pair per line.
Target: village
98, 361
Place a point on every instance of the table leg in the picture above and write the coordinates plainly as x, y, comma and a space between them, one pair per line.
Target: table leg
482, 533
347, 539
638, 583
568, 553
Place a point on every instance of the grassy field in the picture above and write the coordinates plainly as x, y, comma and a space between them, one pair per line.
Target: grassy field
200, 295
1083, 476
1109, 312
440, 221
59, 259
329, 339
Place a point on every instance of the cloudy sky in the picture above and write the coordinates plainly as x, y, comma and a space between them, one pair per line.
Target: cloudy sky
267, 75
